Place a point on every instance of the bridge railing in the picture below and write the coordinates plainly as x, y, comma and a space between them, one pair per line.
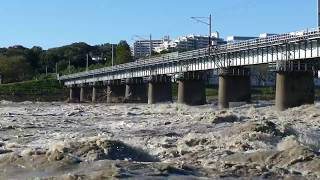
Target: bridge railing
273, 40
174, 57
142, 63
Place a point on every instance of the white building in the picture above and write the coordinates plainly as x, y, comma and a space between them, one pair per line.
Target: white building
190, 42
235, 39
265, 35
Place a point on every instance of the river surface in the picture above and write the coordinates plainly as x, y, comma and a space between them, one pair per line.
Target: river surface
165, 141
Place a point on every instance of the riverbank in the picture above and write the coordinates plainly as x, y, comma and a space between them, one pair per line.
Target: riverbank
45, 90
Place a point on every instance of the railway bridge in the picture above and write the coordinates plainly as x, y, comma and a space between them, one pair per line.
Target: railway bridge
294, 56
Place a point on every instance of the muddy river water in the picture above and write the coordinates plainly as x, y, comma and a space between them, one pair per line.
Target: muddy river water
165, 141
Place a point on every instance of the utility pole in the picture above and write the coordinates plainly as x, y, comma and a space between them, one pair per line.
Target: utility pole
318, 13
210, 31
69, 66
112, 55
150, 50
56, 68
46, 70
207, 21
87, 65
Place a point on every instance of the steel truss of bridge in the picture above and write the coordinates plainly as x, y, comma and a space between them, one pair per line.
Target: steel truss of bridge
281, 50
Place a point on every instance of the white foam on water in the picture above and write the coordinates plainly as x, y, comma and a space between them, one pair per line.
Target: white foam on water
198, 136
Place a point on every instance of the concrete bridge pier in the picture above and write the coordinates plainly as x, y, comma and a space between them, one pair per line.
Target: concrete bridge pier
234, 86
97, 92
85, 93
136, 91
74, 94
159, 89
82, 94
192, 88
116, 91
94, 93
294, 89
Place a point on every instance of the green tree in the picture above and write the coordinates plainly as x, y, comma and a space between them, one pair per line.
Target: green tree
123, 53
38, 59
15, 68
33, 56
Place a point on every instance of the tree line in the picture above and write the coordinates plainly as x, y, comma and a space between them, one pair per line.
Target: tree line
19, 63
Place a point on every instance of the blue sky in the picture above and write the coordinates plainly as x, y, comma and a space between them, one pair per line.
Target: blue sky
52, 23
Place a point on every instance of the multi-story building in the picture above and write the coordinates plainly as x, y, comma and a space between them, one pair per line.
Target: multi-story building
142, 48
265, 35
190, 42
235, 39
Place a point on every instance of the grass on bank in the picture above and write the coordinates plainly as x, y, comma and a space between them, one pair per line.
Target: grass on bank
33, 87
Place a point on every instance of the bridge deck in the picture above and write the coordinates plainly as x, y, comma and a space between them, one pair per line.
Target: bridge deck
284, 47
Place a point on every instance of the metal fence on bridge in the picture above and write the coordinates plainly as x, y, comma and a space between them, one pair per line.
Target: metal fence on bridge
217, 53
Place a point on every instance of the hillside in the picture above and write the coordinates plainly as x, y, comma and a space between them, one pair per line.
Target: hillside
18, 63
